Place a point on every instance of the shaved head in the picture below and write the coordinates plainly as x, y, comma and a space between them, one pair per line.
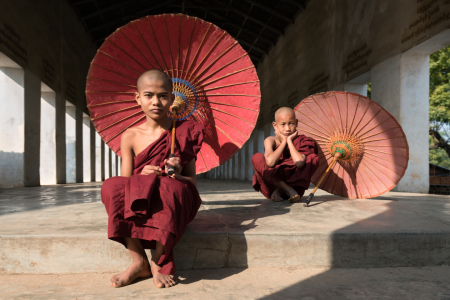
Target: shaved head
154, 75
284, 111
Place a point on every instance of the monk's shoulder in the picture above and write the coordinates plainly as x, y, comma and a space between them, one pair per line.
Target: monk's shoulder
270, 139
191, 125
129, 135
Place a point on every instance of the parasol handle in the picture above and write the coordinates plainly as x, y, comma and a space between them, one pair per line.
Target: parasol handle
308, 200
170, 168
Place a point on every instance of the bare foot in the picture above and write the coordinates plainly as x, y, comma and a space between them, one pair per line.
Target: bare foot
134, 271
293, 195
161, 280
276, 195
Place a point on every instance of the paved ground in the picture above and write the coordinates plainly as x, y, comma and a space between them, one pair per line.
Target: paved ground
253, 283
235, 227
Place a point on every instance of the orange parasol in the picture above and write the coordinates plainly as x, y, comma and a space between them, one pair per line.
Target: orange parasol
215, 82
362, 147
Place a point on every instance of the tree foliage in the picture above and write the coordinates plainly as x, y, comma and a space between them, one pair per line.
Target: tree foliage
440, 107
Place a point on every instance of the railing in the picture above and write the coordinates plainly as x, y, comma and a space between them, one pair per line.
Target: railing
440, 180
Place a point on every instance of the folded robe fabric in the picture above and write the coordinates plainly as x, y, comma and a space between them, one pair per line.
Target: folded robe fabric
155, 208
285, 169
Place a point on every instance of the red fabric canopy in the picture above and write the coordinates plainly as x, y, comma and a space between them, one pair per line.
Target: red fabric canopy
374, 151
209, 69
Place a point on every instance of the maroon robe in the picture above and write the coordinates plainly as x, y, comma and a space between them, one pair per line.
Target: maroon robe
155, 208
285, 169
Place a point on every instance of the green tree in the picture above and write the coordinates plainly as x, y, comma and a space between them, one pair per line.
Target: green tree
440, 107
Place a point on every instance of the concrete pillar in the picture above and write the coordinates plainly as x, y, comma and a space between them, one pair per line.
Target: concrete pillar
32, 96
261, 139
401, 85
248, 156
113, 164
267, 129
47, 169
98, 158
357, 85
92, 153
103, 160
71, 176
79, 144
86, 148
107, 154
11, 123
60, 138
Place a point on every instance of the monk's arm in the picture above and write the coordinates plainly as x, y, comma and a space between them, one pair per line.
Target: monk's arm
270, 155
126, 146
298, 158
189, 172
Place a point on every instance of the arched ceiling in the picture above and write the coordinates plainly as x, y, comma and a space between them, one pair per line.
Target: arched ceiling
256, 24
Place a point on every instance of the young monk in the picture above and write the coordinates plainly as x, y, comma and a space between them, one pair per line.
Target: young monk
288, 163
147, 208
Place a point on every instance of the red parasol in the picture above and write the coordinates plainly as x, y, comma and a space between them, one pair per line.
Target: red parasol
361, 144
211, 73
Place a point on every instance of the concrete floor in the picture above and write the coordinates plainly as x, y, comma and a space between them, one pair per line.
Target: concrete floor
236, 227
251, 283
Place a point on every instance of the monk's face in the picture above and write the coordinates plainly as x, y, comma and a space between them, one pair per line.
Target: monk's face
155, 97
285, 124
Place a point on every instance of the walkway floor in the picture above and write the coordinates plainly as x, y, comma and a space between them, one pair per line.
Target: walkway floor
252, 283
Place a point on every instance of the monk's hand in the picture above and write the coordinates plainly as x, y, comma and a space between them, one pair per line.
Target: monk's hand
293, 136
176, 163
280, 137
147, 170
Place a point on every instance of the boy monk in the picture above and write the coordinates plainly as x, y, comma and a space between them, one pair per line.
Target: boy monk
147, 208
288, 163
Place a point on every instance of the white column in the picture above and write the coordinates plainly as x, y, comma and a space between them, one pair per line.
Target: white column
93, 168
107, 161
261, 139
113, 164
401, 85
47, 169
248, 157
98, 157
12, 123
242, 159
86, 148
70, 143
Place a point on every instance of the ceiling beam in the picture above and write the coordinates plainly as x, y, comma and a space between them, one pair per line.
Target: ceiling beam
271, 10
136, 14
111, 7
226, 6
301, 5
238, 26
256, 20
81, 2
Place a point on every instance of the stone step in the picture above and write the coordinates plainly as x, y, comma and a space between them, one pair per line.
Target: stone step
62, 229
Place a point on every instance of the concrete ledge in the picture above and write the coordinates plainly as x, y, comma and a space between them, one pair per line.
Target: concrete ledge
235, 227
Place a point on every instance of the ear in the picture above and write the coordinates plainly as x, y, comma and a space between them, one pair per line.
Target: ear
274, 124
296, 122
137, 97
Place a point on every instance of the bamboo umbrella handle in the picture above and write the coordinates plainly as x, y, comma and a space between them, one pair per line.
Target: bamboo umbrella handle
170, 168
336, 157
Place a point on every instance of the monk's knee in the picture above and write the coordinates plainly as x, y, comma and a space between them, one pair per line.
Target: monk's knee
111, 185
257, 158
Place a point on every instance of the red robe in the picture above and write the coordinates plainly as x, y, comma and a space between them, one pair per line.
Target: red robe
285, 169
155, 208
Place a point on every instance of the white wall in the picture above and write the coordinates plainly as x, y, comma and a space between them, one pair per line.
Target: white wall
86, 148
70, 143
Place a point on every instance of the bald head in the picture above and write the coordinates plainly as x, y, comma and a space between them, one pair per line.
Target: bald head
154, 75
284, 111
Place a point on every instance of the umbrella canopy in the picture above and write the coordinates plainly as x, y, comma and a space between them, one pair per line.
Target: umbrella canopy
210, 71
373, 151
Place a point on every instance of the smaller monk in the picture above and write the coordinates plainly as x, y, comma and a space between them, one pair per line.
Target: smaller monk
288, 163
